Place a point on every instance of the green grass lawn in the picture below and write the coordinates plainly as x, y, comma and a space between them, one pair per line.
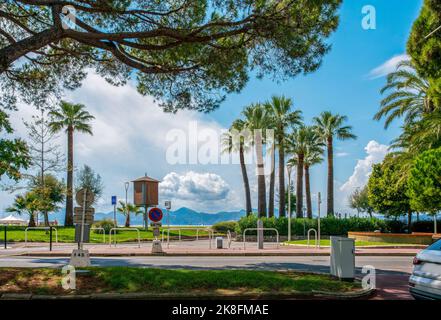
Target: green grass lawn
327, 242
67, 234
130, 279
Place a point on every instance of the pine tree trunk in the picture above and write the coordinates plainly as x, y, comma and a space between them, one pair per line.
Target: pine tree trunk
299, 187
261, 189
308, 193
246, 182
272, 182
330, 196
282, 200
69, 196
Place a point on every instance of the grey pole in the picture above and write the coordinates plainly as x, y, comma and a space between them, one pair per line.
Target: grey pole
318, 220
259, 234
289, 202
126, 186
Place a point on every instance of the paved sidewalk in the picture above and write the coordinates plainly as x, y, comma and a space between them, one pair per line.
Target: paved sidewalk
192, 248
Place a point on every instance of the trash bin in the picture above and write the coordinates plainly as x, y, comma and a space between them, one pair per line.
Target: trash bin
219, 242
343, 258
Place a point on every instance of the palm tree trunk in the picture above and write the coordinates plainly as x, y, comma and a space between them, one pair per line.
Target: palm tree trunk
127, 224
272, 182
46, 218
246, 182
330, 196
261, 189
282, 212
69, 196
308, 193
299, 187
31, 220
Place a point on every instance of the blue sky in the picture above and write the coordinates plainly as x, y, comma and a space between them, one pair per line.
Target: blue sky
130, 130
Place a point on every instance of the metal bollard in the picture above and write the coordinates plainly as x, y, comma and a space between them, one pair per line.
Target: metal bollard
50, 238
6, 238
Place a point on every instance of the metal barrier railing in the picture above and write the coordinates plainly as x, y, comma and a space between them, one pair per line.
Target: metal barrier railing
40, 228
102, 229
260, 229
130, 229
168, 233
315, 236
210, 234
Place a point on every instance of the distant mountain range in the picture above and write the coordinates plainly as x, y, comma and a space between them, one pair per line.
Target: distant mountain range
183, 216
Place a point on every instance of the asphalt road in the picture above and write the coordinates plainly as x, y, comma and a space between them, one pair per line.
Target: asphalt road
392, 272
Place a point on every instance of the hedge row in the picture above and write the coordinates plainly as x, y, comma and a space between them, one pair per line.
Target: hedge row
332, 226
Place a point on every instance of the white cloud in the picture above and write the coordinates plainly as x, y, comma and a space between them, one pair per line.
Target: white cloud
387, 67
341, 154
207, 191
375, 154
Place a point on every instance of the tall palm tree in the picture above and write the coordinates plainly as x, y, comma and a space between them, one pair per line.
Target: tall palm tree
298, 144
409, 96
238, 140
313, 156
127, 209
71, 118
280, 109
330, 126
256, 119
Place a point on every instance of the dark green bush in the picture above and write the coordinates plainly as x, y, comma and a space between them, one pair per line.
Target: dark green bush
328, 226
224, 226
424, 226
106, 224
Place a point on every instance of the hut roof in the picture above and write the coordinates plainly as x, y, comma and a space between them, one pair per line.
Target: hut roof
146, 178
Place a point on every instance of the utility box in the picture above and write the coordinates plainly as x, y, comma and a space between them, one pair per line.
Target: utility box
219, 242
145, 192
343, 258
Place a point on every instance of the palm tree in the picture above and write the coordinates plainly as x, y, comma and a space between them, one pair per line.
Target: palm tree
280, 109
313, 156
298, 144
329, 126
127, 209
28, 203
238, 140
256, 119
71, 117
410, 96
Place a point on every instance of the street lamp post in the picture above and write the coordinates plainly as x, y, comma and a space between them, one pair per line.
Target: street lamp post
126, 186
318, 218
289, 168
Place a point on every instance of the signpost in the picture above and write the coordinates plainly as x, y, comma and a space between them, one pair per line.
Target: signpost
114, 209
155, 215
167, 205
84, 197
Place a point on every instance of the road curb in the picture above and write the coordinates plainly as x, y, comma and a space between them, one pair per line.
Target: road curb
207, 296
225, 254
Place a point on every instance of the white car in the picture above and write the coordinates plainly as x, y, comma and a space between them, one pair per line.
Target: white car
425, 281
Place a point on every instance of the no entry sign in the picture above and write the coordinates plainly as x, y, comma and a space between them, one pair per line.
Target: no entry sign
155, 214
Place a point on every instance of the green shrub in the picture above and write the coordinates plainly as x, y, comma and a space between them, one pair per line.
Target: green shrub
328, 225
106, 224
424, 226
225, 226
